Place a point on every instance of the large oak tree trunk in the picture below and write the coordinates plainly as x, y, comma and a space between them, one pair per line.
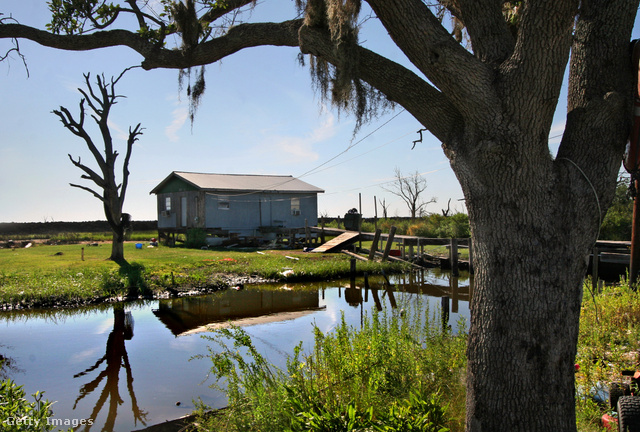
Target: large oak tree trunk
534, 220
524, 323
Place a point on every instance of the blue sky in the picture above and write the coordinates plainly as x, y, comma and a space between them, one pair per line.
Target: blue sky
259, 115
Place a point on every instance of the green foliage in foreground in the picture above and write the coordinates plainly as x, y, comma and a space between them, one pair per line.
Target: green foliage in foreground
364, 378
392, 374
17, 414
608, 343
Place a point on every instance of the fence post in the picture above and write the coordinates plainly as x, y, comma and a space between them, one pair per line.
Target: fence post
374, 245
387, 249
453, 257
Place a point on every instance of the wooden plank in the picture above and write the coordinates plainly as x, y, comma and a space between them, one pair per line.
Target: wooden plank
340, 241
387, 249
374, 245
354, 255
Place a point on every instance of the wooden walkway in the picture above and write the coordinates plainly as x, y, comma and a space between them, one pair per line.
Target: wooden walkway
338, 243
409, 247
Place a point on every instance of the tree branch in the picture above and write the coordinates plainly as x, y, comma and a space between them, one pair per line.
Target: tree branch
133, 137
77, 128
465, 80
84, 42
601, 93
538, 63
485, 23
436, 112
94, 193
398, 83
230, 5
91, 175
239, 37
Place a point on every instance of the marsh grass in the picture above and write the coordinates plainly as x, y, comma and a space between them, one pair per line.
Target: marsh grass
392, 373
66, 274
608, 343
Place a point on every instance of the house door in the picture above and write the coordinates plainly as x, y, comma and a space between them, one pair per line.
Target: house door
183, 207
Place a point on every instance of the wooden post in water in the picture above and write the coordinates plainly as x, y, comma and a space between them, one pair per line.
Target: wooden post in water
353, 269
360, 222
374, 245
366, 287
453, 257
387, 249
453, 283
470, 256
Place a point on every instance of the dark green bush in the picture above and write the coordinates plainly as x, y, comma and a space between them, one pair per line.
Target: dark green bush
196, 238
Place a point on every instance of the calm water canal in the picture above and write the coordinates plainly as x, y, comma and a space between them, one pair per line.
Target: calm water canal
127, 366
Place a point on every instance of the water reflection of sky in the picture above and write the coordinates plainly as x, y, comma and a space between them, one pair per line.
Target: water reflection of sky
88, 361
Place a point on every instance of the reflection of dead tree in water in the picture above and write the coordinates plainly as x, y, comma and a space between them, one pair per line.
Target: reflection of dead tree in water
7, 365
115, 357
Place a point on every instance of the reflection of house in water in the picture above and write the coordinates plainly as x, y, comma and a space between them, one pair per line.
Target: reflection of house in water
188, 314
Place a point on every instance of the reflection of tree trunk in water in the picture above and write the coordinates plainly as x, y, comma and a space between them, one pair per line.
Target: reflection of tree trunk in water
376, 299
392, 298
115, 356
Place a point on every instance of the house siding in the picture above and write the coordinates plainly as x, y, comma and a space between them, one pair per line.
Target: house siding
174, 218
234, 203
247, 213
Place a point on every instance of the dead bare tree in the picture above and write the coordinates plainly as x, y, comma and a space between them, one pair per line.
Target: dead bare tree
112, 193
385, 207
410, 189
445, 213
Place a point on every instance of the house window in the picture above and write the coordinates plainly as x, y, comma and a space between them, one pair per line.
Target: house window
167, 203
295, 206
223, 205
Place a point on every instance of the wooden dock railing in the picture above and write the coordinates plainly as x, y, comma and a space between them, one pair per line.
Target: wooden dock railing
409, 246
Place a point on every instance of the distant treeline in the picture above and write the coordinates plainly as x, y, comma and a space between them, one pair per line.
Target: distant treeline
42, 228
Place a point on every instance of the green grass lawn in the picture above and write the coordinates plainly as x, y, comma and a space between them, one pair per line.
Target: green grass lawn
45, 275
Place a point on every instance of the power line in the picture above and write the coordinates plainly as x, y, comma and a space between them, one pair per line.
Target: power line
351, 145
331, 159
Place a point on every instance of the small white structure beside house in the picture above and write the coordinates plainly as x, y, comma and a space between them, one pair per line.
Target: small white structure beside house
234, 204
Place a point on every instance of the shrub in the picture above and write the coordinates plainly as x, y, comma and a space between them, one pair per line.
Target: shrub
19, 415
196, 238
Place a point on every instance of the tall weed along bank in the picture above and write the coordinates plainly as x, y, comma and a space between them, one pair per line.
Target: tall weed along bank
400, 370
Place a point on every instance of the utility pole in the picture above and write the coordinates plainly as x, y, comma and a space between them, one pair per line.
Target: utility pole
632, 165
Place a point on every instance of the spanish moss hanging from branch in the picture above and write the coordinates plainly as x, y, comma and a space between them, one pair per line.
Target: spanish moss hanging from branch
339, 82
192, 30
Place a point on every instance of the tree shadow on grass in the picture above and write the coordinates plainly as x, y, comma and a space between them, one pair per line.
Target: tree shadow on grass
136, 281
